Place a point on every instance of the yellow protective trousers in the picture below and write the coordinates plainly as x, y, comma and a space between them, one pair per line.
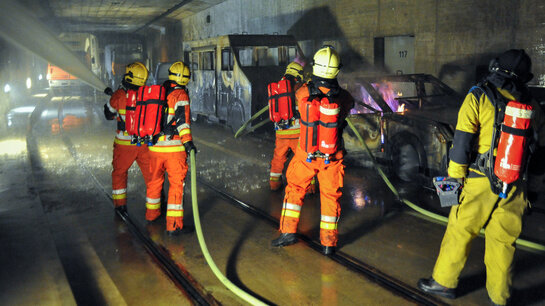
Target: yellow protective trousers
123, 158
502, 219
299, 175
174, 163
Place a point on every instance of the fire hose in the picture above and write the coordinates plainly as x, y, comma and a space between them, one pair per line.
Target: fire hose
444, 220
224, 280
434, 217
243, 127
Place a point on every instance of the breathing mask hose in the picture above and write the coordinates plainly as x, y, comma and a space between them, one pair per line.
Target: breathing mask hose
444, 220
243, 127
225, 281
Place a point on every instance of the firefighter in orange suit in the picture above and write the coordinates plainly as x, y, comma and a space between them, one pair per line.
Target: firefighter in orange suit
170, 152
126, 153
287, 136
322, 91
483, 203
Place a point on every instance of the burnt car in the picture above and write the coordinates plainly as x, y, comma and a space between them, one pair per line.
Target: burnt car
407, 121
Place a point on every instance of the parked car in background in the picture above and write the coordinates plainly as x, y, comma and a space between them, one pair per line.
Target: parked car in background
407, 121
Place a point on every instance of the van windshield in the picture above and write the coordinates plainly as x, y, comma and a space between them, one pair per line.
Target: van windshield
262, 56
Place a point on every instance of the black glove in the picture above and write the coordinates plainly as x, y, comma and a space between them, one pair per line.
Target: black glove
107, 113
108, 91
190, 146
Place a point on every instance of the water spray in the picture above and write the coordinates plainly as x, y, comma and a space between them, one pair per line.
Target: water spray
22, 28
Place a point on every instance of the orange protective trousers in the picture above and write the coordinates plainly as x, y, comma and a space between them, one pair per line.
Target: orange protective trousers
281, 149
175, 164
299, 175
124, 157
280, 155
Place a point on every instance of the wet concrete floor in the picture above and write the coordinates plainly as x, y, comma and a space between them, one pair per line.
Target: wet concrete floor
63, 244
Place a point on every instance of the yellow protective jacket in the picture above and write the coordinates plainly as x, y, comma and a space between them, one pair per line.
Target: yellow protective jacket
474, 131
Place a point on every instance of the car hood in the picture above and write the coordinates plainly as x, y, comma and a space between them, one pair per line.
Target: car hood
445, 112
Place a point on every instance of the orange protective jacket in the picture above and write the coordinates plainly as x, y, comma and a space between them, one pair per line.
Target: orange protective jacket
331, 176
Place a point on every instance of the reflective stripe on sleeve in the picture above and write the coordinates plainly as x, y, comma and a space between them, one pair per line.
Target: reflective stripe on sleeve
181, 103
112, 110
276, 174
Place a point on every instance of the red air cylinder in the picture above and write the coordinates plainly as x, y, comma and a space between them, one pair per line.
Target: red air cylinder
281, 100
131, 124
512, 146
149, 109
310, 116
328, 127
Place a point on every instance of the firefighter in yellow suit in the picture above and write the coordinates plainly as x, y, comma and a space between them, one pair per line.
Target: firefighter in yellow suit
480, 205
170, 153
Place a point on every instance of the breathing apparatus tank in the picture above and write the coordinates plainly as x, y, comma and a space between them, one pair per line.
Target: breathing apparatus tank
512, 145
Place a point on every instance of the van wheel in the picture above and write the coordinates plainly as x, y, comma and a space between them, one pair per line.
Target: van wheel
236, 116
195, 117
407, 158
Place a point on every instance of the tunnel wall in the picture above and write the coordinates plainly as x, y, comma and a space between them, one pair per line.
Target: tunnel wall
452, 38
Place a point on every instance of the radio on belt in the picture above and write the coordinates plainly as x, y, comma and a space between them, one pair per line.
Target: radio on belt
448, 190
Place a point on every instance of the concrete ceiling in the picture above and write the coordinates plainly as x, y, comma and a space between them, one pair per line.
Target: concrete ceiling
118, 15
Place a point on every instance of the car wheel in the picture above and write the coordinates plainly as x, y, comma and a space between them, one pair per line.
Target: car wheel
407, 158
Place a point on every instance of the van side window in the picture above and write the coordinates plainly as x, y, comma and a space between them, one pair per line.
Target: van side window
207, 60
226, 59
194, 63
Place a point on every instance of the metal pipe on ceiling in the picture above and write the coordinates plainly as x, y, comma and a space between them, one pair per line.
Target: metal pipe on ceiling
163, 15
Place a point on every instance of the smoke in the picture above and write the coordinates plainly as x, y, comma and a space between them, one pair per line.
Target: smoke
21, 28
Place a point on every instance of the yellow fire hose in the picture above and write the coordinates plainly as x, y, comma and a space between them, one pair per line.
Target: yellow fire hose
243, 127
444, 220
226, 282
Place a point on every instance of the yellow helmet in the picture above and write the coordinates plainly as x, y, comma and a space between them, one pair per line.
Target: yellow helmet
296, 70
179, 73
326, 63
136, 74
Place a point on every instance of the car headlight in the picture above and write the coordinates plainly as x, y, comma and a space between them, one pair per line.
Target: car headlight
7, 88
28, 83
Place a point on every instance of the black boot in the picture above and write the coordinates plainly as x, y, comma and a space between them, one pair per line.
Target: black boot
429, 285
184, 230
328, 250
284, 240
122, 209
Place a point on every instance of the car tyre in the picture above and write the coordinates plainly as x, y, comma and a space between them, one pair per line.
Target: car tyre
407, 158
